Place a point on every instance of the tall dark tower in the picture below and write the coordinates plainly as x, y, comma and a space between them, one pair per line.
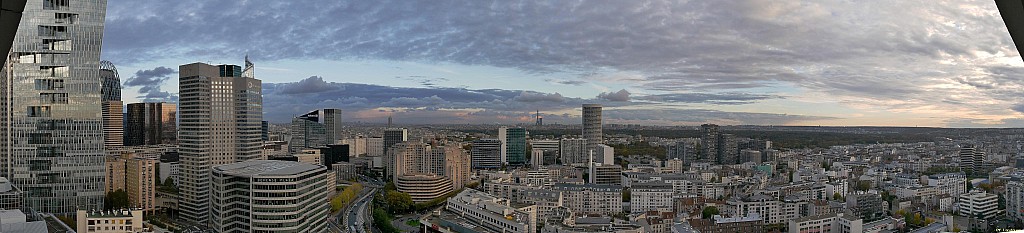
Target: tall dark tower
540, 119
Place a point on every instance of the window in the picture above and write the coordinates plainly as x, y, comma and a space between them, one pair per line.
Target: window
49, 84
39, 111
53, 98
53, 31
67, 18
40, 138
56, 4
57, 44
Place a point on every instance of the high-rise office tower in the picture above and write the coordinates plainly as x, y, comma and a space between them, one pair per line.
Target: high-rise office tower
332, 122
265, 130
486, 153
113, 114
315, 129
394, 136
51, 129
307, 132
592, 125
540, 119
222, 111
515, 144
151, 124
708, 143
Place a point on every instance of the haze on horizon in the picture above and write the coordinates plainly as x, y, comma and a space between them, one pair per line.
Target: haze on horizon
745, 62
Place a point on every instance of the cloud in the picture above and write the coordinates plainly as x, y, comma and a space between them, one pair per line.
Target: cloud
435, 105
149, 82
708, 98
893, 56
618, 96
566, 82
313, 84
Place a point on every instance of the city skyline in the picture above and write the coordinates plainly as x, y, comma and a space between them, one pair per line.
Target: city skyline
941, 64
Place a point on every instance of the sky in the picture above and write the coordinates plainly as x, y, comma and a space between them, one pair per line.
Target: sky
750, 62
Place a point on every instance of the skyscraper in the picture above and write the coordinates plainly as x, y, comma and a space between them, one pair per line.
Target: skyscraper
728, 151
307, 132
221, 116
592, 125
394, 136
51, 132
708, 143
315, 129
515, 144
113, 115
151, 124
332, 122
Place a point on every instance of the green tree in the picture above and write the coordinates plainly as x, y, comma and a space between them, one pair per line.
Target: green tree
398, 202
116, 200
626, 195
837, 196
708, 212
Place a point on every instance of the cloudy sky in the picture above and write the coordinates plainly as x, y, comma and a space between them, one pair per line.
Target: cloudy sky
765, 62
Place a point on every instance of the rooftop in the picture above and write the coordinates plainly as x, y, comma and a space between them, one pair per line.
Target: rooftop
266, 168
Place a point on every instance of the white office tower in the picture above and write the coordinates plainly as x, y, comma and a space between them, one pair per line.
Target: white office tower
592, 125
51, 132
221, 122
270, 196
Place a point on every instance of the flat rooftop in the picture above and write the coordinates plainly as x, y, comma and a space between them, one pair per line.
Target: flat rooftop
266, 168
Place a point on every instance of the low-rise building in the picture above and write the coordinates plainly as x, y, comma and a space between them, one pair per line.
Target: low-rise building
491, 214
720, 224
650, 196
251, 196
591, 198
11, 197
423, 187
110, 221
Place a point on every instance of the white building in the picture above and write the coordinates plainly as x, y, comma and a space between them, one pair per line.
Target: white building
953, 184
1015, 199
979, 203
769, 208
591, 198
375, 147
491, 213
251, 196
651, 196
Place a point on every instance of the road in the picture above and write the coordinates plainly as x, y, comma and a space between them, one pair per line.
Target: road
356, 216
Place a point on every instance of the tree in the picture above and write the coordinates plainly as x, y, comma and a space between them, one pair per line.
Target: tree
863, 185
169, 182
116, 200
837, 196
398, 202
708, 212
626, 195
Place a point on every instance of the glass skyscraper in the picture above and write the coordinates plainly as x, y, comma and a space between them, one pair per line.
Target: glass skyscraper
51, 131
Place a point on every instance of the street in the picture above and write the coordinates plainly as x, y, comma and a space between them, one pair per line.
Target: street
357, 216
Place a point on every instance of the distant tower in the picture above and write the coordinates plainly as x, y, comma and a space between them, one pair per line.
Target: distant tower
540, 119
592, 125
112, 107
389, 121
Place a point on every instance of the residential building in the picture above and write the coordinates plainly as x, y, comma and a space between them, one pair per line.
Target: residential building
978, 203
115, 173
449, 161
52, 105
536, 158
604, 154
591, 198
592, 125
574, 151
953, 184
708, 143
770, 209
151, 124
375, 147
972, 160
486, 153
867, 206
727, 149
221, 120
112, 107
674, 165
1015, 198
140, 182
720, 224
250, 197
650, 196
110, 221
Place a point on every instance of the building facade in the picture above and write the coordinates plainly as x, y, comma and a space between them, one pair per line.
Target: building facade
151, 124
51, 95
574, 151
515, 146
486, 153
251, 196
113, 115
592, 125
221, 119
